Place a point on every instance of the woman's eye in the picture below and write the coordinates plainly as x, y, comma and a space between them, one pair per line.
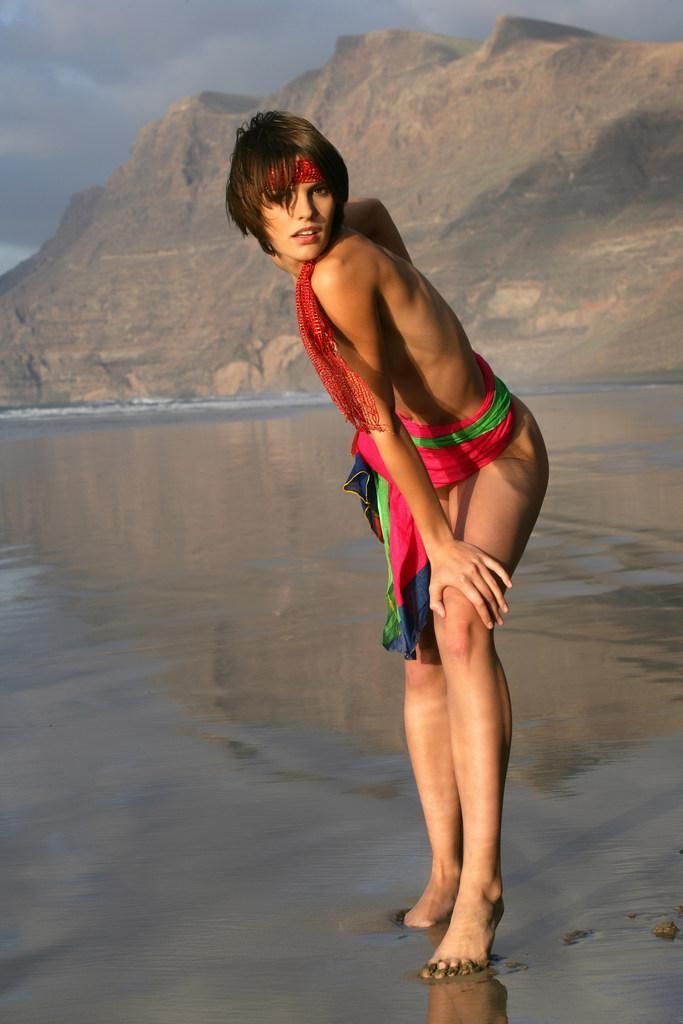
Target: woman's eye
276, 199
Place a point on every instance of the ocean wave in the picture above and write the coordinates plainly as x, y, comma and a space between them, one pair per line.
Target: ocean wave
231, 404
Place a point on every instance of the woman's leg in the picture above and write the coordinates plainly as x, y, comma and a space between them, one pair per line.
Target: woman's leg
428, 735
496, 510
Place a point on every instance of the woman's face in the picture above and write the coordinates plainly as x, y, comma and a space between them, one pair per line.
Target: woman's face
300, 226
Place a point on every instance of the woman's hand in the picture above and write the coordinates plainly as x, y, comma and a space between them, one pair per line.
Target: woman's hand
471, 571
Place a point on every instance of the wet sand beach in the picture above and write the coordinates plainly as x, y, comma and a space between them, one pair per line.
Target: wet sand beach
207, 812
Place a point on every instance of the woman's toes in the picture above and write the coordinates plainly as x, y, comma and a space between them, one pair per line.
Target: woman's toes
471, 967
436, 970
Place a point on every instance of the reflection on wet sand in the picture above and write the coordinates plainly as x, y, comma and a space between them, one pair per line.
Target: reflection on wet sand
190, 859
468, 1001
228, 548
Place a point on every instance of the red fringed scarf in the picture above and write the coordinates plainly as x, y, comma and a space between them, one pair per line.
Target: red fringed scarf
346, 388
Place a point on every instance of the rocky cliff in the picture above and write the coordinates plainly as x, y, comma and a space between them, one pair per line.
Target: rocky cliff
536, 178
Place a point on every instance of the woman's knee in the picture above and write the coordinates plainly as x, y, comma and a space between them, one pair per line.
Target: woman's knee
424, 678
461, 634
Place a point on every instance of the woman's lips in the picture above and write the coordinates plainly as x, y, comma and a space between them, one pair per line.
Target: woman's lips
312, 235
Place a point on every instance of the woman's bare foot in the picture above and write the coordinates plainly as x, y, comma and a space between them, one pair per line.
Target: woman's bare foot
467, 943
436, 902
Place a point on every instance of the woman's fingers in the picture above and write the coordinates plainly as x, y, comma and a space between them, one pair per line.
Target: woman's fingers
468, 590
482, 605
436, 589
495, 587
480, 588
479, 581
484, 600
499, 569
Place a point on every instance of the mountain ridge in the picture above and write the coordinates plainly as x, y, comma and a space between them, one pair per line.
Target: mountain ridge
535, 182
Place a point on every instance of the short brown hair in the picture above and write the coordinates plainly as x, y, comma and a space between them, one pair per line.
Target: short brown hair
271, 139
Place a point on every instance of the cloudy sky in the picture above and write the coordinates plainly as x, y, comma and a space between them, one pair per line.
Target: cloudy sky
78, 78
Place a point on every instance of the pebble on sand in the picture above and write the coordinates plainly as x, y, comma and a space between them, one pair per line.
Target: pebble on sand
570, 938
665, 930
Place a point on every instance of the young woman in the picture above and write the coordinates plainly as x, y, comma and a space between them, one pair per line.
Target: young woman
451, 470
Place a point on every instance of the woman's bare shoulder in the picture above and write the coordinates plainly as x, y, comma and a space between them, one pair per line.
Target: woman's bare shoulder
351, 261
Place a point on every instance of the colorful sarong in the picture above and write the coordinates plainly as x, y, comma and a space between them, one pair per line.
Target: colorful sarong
451, 452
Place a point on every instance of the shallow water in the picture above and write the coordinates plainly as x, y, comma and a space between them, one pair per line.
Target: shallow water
207, 813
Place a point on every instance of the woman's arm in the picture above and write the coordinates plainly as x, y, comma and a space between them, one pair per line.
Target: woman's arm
347, 289
371, 218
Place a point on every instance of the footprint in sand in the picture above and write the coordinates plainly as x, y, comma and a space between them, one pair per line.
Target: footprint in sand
510, 967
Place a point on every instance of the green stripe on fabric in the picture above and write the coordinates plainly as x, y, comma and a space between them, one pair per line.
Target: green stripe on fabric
494, 415
392, 626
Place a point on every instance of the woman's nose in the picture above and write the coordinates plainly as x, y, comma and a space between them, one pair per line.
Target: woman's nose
303, 205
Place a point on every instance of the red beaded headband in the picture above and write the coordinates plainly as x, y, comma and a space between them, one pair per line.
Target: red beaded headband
305, 172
